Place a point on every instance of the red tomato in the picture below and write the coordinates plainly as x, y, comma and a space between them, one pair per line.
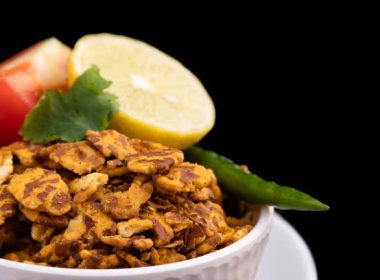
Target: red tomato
24, 78
18, 94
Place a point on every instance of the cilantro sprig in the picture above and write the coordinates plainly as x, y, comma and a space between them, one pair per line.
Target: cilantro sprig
67, 117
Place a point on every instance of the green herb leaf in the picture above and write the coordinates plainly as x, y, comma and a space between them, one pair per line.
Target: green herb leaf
67, 117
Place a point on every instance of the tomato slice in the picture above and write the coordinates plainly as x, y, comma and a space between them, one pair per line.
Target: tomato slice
18, 94
24, 78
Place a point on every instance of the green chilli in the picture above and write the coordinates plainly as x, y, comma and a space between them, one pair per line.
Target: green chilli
250, 187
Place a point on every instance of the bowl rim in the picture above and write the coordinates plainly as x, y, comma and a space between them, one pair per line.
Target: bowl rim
253, 237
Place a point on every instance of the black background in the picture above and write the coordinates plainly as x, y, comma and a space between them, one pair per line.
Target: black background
273, 81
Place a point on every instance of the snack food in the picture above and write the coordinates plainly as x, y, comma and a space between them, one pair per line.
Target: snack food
69, 208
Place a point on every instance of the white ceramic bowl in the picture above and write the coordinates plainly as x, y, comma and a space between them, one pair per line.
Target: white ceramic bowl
237, 261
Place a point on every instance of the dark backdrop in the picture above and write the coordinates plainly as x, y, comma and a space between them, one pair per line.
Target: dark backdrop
273, 82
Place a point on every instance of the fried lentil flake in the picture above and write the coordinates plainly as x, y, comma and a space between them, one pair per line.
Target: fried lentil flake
109, 202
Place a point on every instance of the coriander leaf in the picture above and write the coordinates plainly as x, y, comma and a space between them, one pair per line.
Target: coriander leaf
67, 117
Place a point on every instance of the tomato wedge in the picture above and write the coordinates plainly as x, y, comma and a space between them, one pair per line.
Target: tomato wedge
23, 79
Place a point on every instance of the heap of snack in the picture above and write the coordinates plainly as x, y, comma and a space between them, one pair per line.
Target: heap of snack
109, 202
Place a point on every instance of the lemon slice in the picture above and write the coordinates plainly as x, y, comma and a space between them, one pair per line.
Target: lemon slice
160, 100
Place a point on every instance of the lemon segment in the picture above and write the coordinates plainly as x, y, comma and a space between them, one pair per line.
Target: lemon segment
160, 100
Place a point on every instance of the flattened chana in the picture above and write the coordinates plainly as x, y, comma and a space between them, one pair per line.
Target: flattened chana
109, 202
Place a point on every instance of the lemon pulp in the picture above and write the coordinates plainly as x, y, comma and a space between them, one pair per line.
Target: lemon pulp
160, 100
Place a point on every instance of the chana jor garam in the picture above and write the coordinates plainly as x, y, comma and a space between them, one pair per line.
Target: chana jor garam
109, 202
